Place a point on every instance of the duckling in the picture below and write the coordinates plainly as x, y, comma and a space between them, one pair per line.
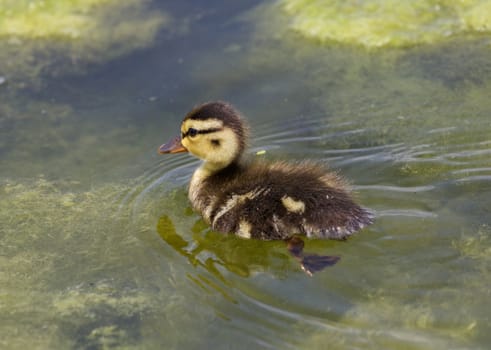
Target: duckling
260, 200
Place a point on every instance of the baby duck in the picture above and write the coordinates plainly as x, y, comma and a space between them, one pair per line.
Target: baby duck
256, 199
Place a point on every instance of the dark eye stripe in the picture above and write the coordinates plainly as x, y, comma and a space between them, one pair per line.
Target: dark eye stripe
194, 132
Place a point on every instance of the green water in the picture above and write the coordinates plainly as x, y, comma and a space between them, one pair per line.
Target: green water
99, 247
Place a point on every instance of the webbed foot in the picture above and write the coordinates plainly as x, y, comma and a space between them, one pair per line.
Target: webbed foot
310, 263
314, 263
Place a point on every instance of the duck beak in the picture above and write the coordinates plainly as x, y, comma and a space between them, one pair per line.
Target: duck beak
173, 146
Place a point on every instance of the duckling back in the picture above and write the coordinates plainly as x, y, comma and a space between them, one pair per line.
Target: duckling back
276, 201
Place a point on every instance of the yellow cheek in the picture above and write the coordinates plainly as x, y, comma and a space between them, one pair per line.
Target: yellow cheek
196, 146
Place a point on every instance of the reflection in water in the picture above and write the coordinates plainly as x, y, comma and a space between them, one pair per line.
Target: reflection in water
211, 250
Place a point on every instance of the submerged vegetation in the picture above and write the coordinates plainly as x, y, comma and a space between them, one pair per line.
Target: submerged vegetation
51, 37
69, 19
48, 228
66, 278
378, 23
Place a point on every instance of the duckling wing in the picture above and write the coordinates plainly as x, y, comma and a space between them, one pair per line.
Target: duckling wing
280, 200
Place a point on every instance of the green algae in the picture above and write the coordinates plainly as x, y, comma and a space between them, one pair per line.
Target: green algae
81, 268
53, 37
38, 19
53, 242
476, 245
392, 23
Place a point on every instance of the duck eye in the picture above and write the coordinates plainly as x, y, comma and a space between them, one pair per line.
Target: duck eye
192, 132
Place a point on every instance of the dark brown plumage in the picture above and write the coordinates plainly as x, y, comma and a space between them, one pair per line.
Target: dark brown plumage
328, 210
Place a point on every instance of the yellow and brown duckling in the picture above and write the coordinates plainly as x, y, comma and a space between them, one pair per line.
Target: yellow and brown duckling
256, 199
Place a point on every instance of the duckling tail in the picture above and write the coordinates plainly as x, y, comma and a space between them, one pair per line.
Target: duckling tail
310, 263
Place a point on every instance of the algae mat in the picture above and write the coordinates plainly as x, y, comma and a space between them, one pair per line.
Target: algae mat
377, 23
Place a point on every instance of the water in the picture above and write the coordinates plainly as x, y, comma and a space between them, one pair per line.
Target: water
99, 247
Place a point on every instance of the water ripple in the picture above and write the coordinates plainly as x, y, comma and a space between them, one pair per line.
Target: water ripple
414, 189
406, 212
476, 178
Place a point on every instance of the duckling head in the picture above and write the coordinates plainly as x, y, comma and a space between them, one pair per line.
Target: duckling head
214, 132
